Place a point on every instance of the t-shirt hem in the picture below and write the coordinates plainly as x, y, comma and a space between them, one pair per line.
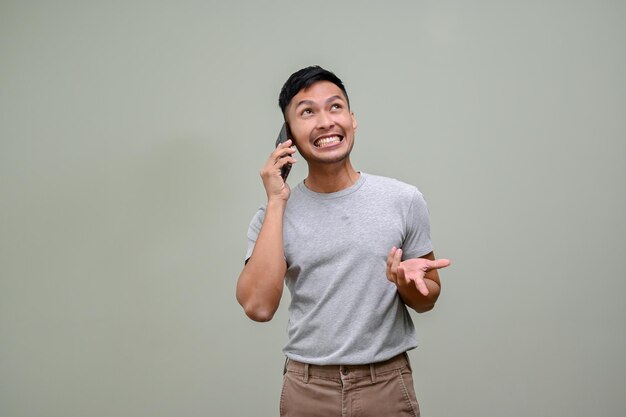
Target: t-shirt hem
347, 361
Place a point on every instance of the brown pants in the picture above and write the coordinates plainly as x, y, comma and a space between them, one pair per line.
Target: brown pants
383, 389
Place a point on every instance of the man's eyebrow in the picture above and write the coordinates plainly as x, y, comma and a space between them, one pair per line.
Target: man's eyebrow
333, 98
301, 102
311, 102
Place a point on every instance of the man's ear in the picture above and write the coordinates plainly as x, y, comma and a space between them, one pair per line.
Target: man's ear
354, 123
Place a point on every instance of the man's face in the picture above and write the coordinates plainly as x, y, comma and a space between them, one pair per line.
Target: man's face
321, 123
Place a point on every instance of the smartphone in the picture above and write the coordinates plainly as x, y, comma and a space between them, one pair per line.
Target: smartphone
283, 135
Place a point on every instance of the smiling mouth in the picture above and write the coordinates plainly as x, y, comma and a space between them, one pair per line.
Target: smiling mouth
327, 141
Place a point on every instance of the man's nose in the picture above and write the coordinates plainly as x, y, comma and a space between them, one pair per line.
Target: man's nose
324, 120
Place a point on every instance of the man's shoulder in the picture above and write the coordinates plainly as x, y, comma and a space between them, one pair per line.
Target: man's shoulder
390, 185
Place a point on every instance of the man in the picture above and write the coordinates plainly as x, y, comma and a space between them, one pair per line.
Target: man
333, 240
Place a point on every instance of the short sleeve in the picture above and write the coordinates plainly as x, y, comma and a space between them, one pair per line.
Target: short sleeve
417, 240
253, 231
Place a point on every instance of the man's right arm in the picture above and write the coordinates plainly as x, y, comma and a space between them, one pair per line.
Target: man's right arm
261, 282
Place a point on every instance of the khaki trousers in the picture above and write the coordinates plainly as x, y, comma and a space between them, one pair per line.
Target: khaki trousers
383, 389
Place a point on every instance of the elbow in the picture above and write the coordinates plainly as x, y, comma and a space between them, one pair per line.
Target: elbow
255, 310
259, 314
259, 303
424, 308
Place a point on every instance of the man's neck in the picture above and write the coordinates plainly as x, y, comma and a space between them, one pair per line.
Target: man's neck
331, 178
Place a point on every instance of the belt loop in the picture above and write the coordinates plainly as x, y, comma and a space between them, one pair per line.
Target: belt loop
372, 373
306, 373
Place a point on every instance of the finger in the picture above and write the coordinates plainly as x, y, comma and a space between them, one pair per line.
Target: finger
421, 286
280, 162
401, 275
438, 263
395, 262
285, 148
390, 256
277, 161
397, 257
286, 151
389, 262
285, 144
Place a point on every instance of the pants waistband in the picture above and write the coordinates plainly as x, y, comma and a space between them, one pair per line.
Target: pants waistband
355, 371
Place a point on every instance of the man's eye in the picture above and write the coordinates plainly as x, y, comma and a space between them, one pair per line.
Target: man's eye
335, 106
306, 112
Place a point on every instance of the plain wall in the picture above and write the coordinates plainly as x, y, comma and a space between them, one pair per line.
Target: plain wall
131, 137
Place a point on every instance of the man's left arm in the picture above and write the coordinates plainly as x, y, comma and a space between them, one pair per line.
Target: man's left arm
416, 279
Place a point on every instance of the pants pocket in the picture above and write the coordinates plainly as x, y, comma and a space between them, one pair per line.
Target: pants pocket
283, 396
392, 394
405, 378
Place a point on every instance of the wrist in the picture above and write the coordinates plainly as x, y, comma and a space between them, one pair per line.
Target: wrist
276, 203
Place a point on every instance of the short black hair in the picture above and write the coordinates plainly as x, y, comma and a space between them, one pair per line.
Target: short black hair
302, 79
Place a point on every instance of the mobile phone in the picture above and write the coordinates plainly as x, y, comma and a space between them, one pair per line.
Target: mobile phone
283, 135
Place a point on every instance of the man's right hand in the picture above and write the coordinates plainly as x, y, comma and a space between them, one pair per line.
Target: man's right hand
275, 187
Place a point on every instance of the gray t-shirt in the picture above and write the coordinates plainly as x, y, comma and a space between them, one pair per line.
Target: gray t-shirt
343, 309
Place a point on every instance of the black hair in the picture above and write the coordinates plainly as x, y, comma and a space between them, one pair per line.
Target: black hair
302, 79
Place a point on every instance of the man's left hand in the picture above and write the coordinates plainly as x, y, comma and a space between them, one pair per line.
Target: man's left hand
412, 270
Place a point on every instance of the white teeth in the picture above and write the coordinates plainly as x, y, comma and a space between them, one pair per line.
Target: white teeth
327, 141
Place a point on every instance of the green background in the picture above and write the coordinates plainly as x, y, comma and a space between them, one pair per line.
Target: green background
131, 138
